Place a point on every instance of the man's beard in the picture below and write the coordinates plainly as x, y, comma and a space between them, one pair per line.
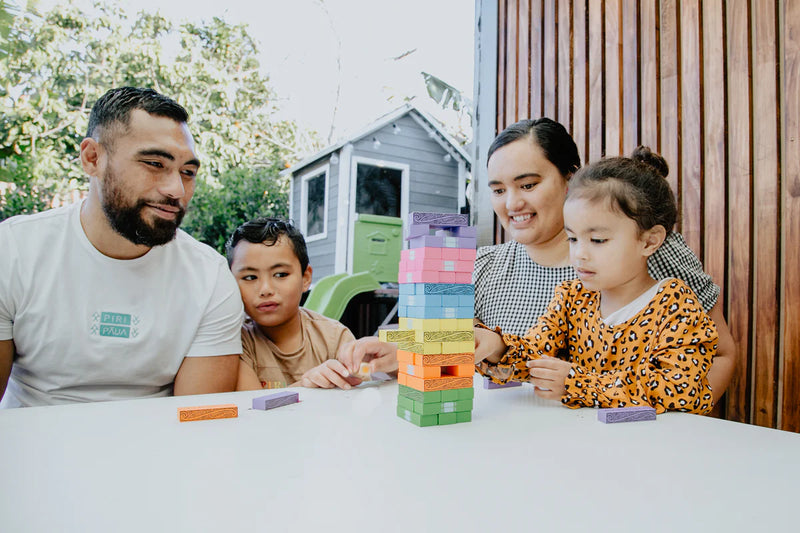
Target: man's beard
127, 219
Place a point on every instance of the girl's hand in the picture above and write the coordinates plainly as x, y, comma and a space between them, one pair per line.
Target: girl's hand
549, 375
488, 345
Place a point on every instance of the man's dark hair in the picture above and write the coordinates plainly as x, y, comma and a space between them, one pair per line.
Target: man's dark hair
114, 108
267, 231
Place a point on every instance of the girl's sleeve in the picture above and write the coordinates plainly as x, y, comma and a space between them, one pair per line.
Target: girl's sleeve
546, 337
671, 377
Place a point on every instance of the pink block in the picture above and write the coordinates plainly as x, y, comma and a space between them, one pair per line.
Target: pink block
461, 277
466, 254
449, 277
421, 253
451, 254
418, 277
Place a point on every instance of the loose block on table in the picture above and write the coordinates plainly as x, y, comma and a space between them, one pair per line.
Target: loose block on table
489, 384
439, 219
430, 384
626, 414
207, 412
276, 399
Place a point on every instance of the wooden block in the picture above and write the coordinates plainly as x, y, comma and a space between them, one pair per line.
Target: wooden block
277, 399
406, 357
425, 385
207, 412
458, 347
463, 277
421, 300
466, 231
420, 324
450, 254
434, 408
489, 384
418, 277
446, 288
634, 413
453, 395
437, 241
463, 416
425, 397
421, 371
397, 335
421, 254
417, 419
424, 348
461, 371
467, 254
439, 219
415, 230
449, 336
445, 359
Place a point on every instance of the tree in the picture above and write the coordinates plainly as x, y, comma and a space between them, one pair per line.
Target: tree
59, 63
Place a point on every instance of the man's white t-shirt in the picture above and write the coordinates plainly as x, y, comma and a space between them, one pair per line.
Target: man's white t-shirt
87, 327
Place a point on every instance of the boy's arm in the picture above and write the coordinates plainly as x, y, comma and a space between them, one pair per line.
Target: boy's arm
6, 361
248, 380
205, 375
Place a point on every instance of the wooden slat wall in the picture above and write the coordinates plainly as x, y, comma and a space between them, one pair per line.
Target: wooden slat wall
714, 86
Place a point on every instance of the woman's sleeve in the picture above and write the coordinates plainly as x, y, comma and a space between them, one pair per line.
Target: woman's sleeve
674, 259
672, 377
546, 337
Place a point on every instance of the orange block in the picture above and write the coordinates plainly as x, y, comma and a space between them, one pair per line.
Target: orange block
430, 384
207, 412
445, 359
421, 371
404, 356
461, 371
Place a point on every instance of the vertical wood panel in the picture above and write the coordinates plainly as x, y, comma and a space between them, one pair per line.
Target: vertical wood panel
564, 86
630, 76
670, 105
613, 73
537, 80
580, 79
714, 160
691, 123
739, 112
595, 31
550, 53
765, 181
648, 45
512, 62
523, 92
790, 394
502, 85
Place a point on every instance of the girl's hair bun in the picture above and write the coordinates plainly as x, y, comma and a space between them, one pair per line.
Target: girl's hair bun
643, 154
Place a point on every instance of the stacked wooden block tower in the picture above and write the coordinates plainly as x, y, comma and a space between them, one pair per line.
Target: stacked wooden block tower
436, 306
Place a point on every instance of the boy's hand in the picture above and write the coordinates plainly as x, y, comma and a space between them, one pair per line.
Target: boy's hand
549, 375
328, 375
381, 355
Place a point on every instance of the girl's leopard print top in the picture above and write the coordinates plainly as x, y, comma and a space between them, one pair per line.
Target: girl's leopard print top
660, 357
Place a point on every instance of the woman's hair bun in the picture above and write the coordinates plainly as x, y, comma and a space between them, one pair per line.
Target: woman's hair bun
643, 154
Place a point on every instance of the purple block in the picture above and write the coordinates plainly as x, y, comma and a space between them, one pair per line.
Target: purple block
276, 399
437, 241
466, 231
415, 230
440, 219
635, 413
489, 384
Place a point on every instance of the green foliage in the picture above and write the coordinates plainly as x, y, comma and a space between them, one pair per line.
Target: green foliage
59, 63
217, 211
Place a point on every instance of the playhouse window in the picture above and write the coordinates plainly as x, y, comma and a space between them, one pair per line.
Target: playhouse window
378, 190
313, 208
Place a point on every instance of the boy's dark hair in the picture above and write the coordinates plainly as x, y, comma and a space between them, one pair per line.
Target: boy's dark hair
558, 147
267, 230
114, 108
637, 186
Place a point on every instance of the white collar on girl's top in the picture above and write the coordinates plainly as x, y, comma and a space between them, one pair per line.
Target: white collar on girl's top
628, 311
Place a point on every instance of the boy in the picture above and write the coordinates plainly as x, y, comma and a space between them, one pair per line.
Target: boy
282, 343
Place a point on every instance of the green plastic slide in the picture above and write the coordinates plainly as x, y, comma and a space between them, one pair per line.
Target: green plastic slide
331, 294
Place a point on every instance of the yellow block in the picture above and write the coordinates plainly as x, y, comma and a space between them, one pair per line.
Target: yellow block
436, 324
458, 347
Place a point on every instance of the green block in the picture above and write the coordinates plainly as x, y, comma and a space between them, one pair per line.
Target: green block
405, 402
464, 416
455, 418
441, 407
417, 419
453, 395
419, 396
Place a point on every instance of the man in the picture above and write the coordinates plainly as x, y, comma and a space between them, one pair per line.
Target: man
107, 299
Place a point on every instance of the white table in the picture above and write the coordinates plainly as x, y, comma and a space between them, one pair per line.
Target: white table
343, 461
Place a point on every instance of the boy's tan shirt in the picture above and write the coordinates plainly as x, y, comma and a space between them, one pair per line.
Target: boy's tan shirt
322, 338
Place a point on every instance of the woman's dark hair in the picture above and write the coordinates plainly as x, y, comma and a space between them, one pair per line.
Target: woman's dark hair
637, 186
558, 147
268, 231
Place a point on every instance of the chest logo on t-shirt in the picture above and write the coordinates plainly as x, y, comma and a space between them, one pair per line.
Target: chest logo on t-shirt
119, 325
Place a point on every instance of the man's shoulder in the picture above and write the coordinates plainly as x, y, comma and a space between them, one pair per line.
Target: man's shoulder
34, 222
194, 250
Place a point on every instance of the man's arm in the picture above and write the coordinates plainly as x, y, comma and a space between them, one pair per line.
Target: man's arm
206, 375
6, 360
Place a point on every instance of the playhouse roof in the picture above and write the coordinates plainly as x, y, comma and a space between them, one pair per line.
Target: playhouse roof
442, 137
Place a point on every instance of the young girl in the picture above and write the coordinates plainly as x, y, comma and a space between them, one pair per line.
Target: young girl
614, 337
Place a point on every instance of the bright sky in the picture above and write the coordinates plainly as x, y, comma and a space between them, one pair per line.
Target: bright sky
300, 43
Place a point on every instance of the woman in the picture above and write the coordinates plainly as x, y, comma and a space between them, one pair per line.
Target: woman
529, 167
